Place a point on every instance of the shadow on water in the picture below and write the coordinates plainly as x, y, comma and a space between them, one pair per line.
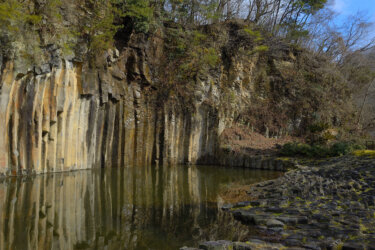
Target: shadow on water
120, 208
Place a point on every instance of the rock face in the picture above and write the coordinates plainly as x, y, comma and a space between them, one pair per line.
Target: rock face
68, 114
73, 117
124, 107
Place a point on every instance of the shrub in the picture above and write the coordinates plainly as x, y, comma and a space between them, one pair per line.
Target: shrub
192, 51
261, 48
344, 148
99, 27
254, 34
318, 127
210, 57
34, 28
10, 12
319, 151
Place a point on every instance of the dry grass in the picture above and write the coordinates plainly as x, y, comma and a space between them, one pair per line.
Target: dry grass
235, 194
242, 140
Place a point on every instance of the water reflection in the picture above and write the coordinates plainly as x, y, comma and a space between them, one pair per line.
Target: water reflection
119, 208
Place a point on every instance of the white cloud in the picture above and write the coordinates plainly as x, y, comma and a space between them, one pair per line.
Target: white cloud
339, 6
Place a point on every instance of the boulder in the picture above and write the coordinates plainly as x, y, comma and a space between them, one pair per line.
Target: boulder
274, 223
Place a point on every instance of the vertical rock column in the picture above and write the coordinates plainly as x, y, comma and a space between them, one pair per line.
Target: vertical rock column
59, 122
7, 90
44, 123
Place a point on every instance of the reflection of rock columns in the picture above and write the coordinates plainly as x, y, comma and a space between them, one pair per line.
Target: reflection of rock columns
194, 193
113, 207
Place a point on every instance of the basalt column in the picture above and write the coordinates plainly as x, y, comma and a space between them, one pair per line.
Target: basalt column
72, 118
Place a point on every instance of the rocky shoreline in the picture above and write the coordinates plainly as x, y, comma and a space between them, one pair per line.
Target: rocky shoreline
323, 204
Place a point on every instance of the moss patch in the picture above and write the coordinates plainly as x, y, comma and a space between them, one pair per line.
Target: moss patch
368, 153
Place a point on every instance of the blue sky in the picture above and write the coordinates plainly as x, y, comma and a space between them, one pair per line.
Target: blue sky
345, 8
351, 7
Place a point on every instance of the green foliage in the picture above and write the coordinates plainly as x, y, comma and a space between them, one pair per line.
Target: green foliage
229, 96
192, 51
100, 27
33, 19
198, 37
209, 10
14, 15
188, 12
33, 27
319, 151
140, 12
103, 24
53, 30
210, 57
318, 127
51, 10
176, 42
344, 148
16, 23
294, 31
101, 18
255, 42
254, 34
310, 6
261, 48
10, 14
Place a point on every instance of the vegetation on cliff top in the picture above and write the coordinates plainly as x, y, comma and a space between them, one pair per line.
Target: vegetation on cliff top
97, 20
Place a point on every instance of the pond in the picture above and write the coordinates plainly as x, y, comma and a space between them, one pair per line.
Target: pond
151, 207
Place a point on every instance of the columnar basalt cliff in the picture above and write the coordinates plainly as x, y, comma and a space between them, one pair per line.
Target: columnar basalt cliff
54, 122
71, 117
125, 106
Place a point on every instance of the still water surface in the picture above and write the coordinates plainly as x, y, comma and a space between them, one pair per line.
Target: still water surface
149, 207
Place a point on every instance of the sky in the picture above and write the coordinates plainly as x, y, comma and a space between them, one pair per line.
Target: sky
352, 6
345, 8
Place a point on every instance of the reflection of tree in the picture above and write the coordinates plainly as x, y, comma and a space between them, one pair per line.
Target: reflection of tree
135, 207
